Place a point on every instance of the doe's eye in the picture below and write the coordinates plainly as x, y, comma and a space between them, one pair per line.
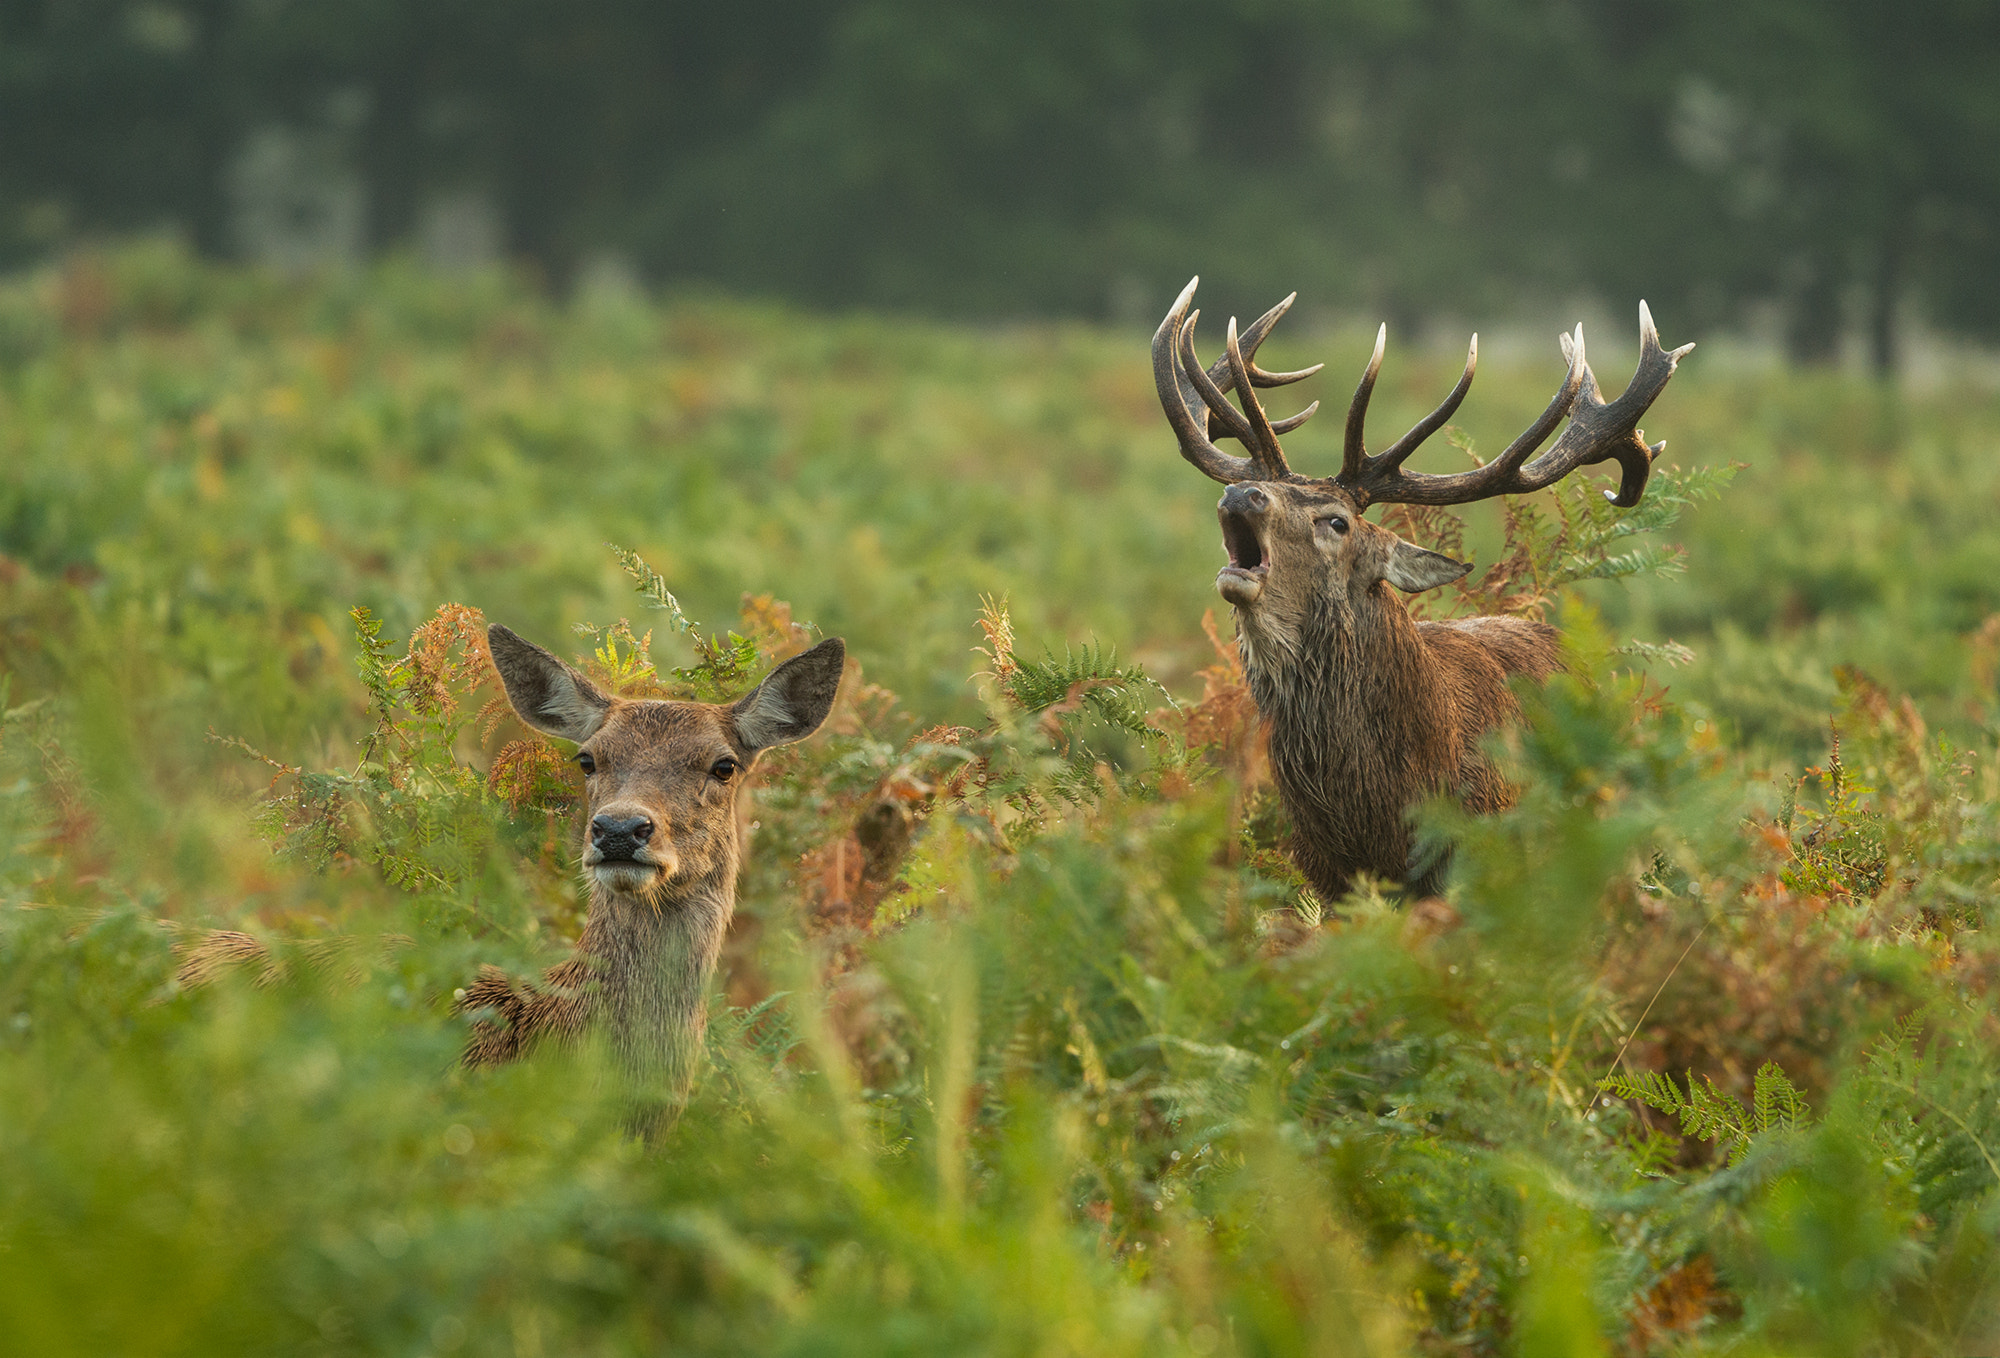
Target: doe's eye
723, 769
586, 763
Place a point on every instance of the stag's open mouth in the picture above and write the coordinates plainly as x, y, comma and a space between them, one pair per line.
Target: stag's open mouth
1242, 580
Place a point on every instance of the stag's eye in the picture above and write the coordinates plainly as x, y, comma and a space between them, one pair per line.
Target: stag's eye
723, 769
1337, 522
586, 763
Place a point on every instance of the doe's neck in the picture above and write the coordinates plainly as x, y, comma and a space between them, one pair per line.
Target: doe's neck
651, 959
626, 928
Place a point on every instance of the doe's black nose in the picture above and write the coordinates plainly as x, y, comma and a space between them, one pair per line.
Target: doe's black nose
619, 836
1243, 498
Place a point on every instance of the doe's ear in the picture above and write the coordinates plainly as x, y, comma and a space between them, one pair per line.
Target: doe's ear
546, 694
793, 699
1412, 569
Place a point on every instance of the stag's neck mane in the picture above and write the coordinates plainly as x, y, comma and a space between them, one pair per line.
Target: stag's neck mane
1355, 658
1356, 715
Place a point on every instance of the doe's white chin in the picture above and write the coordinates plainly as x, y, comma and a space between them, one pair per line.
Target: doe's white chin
631, 878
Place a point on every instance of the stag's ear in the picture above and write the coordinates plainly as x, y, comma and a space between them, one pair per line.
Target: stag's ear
546, 694
793, 699
1411, 569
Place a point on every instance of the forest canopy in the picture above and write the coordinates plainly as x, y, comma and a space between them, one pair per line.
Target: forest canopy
1823, 170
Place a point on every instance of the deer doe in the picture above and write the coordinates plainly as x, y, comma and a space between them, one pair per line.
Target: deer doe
660, 854
1367, 710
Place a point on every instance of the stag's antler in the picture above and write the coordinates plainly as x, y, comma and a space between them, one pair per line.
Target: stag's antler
1195, 402
1195, 398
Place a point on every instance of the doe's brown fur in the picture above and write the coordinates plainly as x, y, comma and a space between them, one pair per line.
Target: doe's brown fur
662, 845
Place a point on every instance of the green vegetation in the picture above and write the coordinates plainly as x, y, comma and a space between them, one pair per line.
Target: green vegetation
1026, 1041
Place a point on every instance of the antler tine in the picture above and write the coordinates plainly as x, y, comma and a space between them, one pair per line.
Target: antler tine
1225, 380
1218, 371
1383, 482
1266, 450
1603, 431
1219, 410
1183, 400
1598, 431
1291, 422
1354, 452
1392, 457
1577, 380
1649, 336
1254, 337
1196, 398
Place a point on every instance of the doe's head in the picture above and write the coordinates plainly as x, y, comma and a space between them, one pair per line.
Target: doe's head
662, 777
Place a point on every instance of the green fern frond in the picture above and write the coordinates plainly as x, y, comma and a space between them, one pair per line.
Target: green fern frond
1703, 1110
724, 665
1591, 524
1775, 1101
1650, 559
1651, 1088
376, 661
767, 1029
1706, 1112
1091, 676
1651, 1154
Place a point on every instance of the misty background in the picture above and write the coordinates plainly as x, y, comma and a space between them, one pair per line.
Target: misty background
1823, 176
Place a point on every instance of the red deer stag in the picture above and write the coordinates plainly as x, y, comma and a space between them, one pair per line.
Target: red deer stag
1368, 711
660, 856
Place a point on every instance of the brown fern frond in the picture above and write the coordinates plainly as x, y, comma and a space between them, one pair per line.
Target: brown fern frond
1224, 721
768, 621
221, 951
446, 653
531, 774
998, 626
492, 712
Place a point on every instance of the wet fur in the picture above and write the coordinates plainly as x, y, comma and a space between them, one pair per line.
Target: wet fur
1369, 712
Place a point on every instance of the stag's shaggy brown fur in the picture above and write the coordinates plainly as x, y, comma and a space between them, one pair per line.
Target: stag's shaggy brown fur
1367, 710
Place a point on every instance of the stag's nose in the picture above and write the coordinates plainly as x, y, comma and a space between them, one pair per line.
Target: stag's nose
1243, 498
619, 836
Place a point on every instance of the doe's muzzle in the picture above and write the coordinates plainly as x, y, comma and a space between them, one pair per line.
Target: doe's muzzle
616, 836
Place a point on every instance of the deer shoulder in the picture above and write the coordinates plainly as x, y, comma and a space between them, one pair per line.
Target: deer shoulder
1480, 658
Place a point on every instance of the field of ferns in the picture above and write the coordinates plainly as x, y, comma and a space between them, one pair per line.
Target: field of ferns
1026, 1038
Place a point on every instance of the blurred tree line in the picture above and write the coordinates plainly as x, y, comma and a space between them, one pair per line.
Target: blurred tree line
1827, 166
